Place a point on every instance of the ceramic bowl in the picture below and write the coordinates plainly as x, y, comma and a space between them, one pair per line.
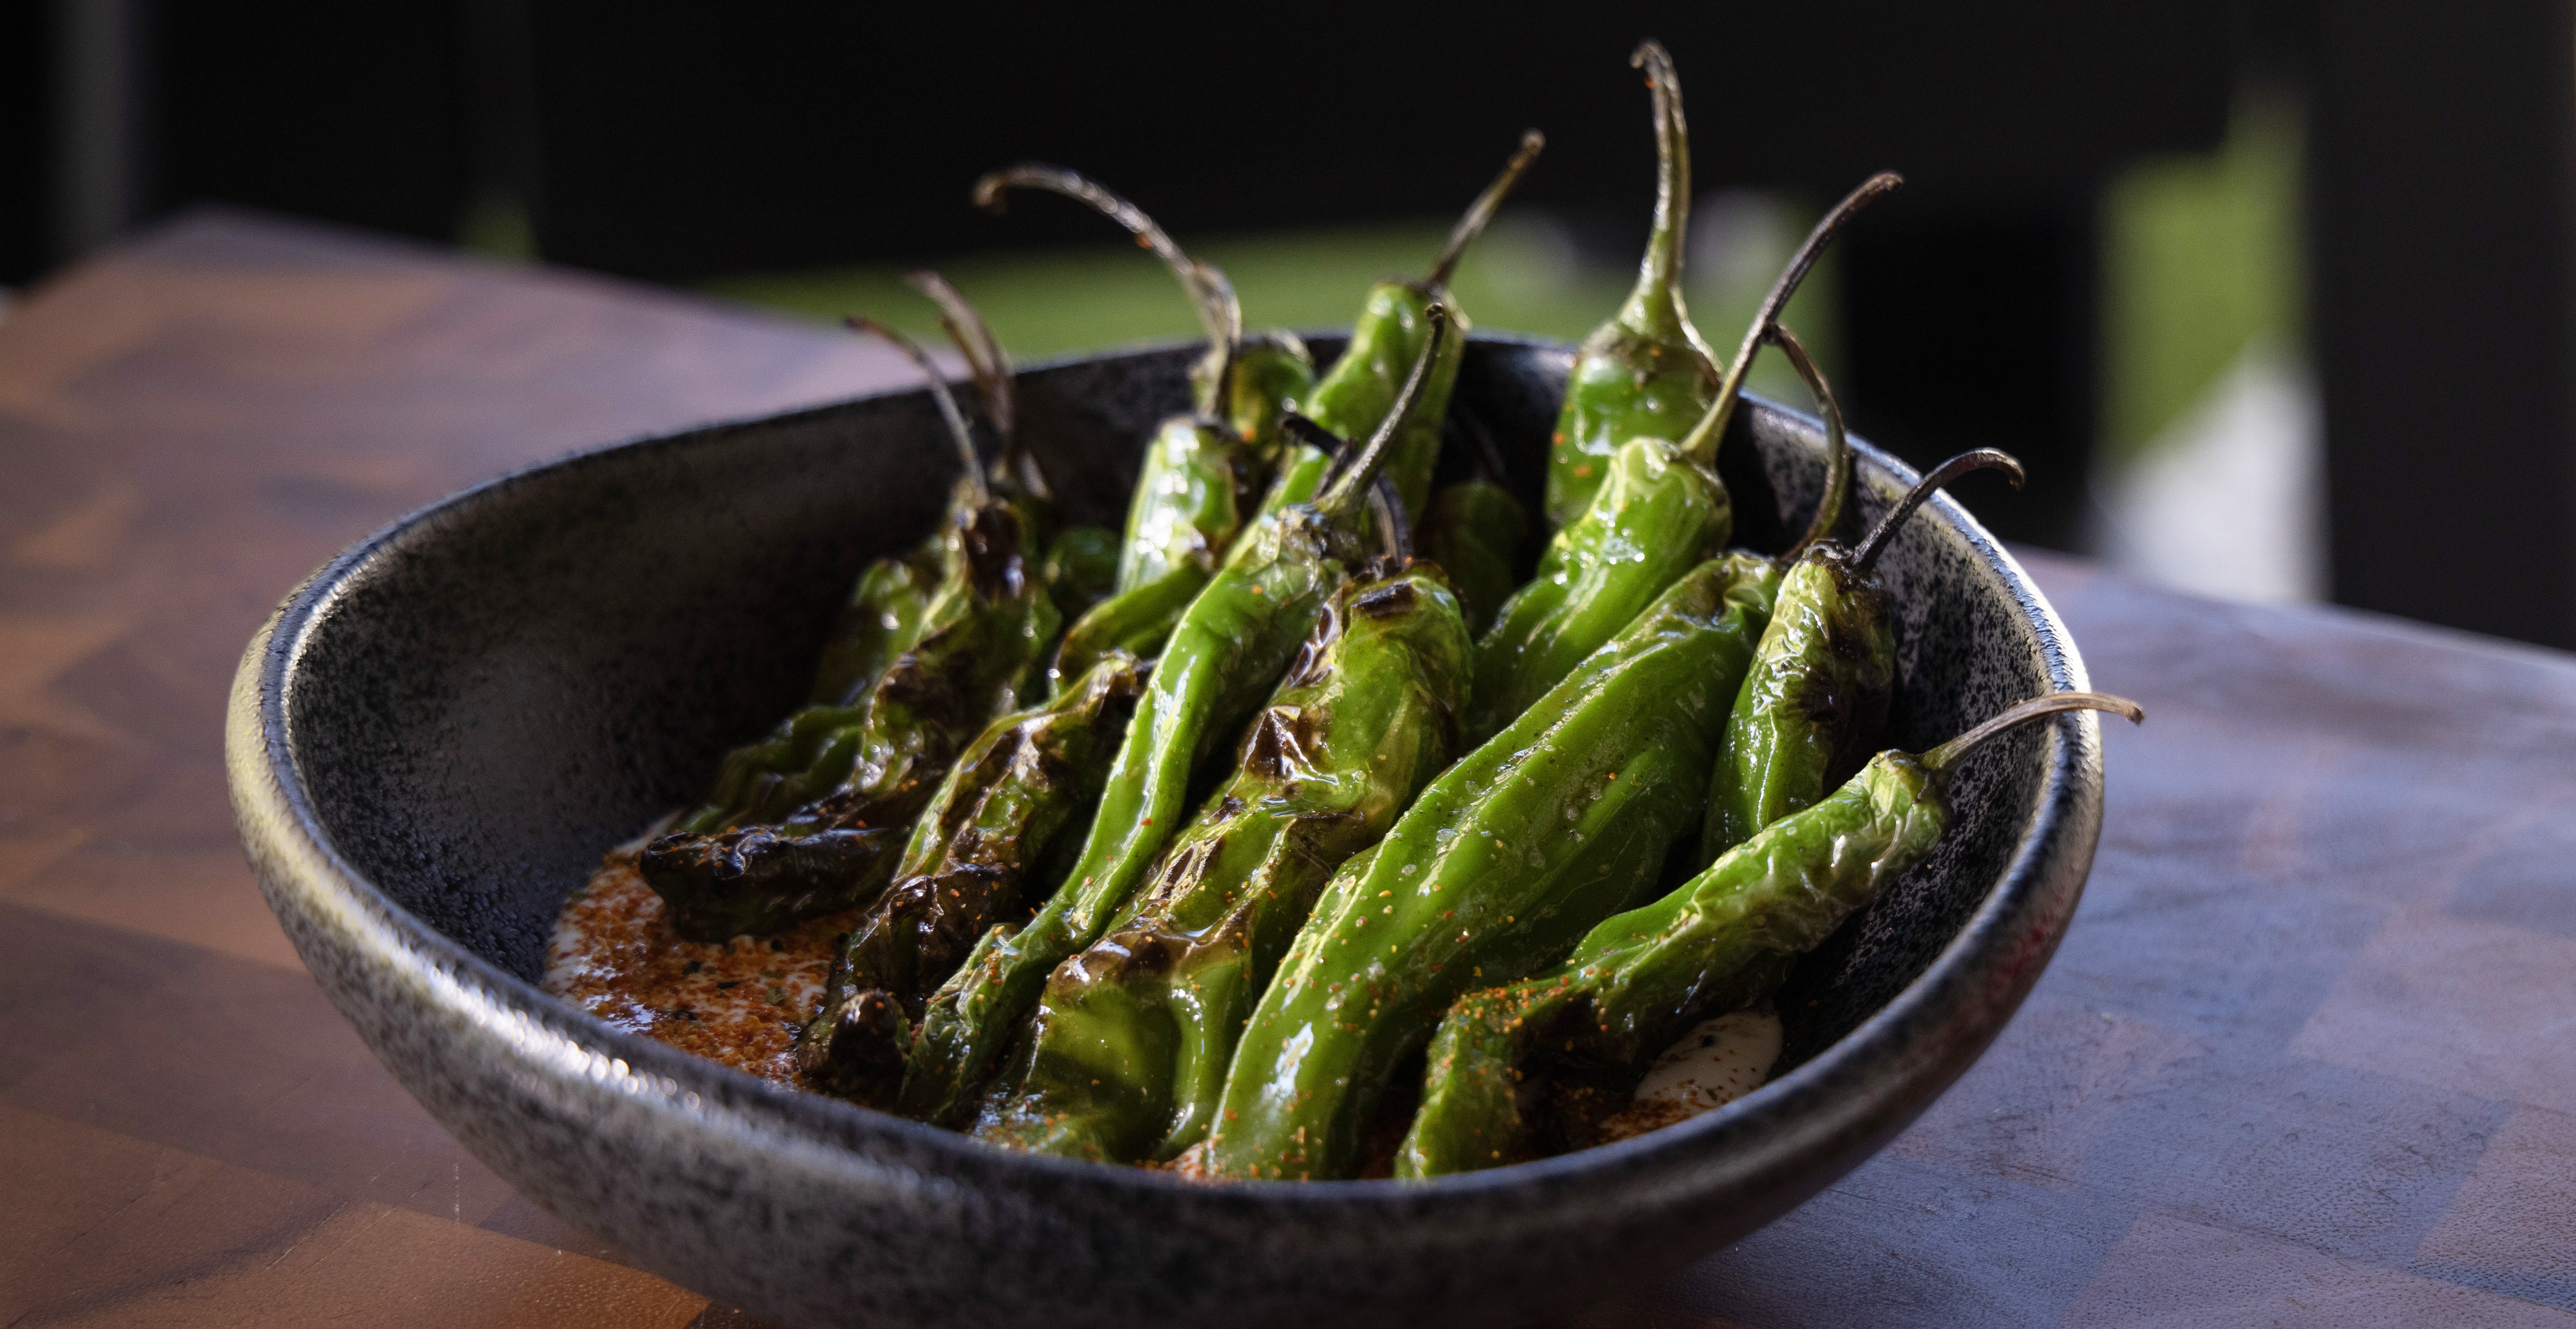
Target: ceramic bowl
435, 737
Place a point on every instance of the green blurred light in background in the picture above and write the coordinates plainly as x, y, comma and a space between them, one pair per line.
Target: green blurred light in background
2201, 259
1523, 276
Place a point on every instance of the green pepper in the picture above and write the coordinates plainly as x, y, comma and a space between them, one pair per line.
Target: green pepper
1128, 1048
1202, 469
1558, 822
881, 621
1231, 646
1361, 388
1081, 569
1645, 373
1473, 531
1659, 508
1475, 527
1018, 797
1660, 514
1812, 706
1721, 941
806, 822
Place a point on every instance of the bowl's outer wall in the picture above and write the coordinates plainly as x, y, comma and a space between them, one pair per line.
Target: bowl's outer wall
464, 710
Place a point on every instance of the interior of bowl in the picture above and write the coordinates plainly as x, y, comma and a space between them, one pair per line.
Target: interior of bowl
503, 686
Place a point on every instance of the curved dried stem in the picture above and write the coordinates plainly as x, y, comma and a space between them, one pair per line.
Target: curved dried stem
1394, 531
1228, 348
1316, 436
989, 194
1979, 459
1661, 269
990, 367
1838, 459
1703, 439
1943, 757
1341, 495
939, 392
1481, 212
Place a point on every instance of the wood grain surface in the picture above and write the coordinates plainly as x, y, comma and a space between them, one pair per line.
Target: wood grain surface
2307, 1056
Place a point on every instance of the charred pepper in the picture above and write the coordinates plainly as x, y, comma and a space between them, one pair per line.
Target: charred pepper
1082, 562
1361, 388
808, 821
1496, 870
1231, 646
1014, 802
1128, 1048
1812, 706
1721, 941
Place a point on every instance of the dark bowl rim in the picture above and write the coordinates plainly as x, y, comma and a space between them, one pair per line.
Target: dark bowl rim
694, 1085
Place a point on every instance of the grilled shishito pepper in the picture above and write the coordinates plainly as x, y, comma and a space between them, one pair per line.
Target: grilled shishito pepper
1203, 469
1660, 514
1388, 336
807, 822
1013, 803
1660, 506
1720, 941
1232, 645
883, 617
1813, 704
1129, 1047
1645, 373
1505, 860
1473, 531
881, 622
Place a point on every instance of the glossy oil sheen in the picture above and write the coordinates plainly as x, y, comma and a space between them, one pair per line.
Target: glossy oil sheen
436, 735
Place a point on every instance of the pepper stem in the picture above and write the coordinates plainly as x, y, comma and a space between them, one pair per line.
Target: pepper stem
1659, 274
1977, 460
1942, 757
939, 392
1228, 347
1392, 527
1348, 483
1212, 304
1481, 212
1829, 507
991, 367
1701, 445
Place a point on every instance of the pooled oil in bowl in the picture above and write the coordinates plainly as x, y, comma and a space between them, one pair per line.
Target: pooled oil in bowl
736, 1002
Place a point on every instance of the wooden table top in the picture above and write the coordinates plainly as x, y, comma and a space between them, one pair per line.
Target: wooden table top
2307, 1056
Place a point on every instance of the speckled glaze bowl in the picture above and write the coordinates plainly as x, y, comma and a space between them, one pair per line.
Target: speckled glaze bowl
435, 737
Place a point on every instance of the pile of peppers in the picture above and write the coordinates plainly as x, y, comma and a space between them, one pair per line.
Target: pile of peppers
1301, 829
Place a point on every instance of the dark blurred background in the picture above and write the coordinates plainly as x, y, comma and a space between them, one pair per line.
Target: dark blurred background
2274, 295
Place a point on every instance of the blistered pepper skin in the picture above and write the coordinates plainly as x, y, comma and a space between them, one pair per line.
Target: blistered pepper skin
1273, 375
809, 822
1659, 515
881, 621
1474, 531
1141, 621
1017, 798
1814, 703
1504, 861
1358, 391
1229, 649
1639, 980
1128, 1049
